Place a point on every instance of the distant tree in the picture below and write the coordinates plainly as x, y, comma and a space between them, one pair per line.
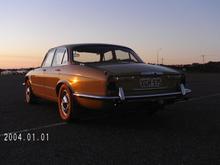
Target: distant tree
195, 64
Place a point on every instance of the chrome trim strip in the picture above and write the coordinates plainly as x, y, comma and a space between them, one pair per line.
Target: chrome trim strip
95, 96
130, 97
183, 91
146, 89
151, 73
121, 93
188, 91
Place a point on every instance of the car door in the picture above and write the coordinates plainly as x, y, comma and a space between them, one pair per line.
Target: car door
38, 77
37, 81
41, 76
53, 74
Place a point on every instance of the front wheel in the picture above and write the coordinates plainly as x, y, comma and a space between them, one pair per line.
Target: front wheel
30, 98
66, 104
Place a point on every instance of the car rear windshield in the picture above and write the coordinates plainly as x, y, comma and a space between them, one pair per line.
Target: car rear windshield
104, 54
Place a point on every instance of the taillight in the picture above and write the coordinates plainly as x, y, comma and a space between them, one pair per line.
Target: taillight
183, 79
112, 88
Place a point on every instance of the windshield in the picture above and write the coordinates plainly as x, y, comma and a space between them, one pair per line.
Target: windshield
104, 54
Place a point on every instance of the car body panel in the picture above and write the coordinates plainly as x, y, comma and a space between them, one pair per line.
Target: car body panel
139, 68
36, 78
90, 83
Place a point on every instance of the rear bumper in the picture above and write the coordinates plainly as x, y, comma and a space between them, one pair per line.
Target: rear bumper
183, 93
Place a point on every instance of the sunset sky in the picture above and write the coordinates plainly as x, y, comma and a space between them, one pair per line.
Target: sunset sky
179, 30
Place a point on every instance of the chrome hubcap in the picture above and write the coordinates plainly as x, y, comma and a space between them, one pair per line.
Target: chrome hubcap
65, 104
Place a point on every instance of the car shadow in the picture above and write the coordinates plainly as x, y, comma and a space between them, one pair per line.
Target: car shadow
173, 119
142, 121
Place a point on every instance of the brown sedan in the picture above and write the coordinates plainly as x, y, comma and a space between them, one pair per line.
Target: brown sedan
101, 76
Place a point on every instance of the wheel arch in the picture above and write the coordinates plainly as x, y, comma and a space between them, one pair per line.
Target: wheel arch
26, 79
60, 83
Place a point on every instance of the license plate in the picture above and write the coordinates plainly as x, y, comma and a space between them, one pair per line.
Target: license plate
150, 82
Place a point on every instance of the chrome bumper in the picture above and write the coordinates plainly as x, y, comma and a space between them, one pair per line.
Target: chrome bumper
121, 96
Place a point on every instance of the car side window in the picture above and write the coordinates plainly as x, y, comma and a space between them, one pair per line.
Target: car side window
49, 58
107, 56
65, 58
58, 57
122, 55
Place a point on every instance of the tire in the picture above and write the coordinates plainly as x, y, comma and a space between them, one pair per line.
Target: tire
67, 104
30, 98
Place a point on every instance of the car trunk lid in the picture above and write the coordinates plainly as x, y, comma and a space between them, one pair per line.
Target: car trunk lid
140, 79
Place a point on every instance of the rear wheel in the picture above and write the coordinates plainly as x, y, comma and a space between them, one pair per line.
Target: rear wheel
30, 98
66, 104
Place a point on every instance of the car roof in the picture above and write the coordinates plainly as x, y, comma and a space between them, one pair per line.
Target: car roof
72, 46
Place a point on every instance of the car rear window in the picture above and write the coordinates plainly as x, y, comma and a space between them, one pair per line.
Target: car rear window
103, 54
84, 57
